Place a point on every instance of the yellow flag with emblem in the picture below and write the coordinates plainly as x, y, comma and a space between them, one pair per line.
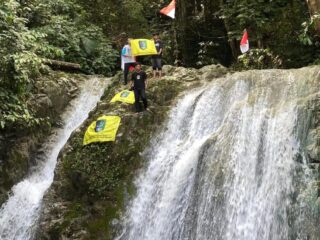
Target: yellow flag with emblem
103, 130
142, 47
125, 96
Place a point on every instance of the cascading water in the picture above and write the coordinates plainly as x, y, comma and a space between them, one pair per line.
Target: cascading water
18, 216
229, 165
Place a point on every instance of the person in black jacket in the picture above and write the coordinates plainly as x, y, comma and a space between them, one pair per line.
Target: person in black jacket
139, 84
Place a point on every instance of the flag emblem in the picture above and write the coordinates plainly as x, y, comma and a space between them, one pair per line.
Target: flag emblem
100, 125
125, 94
143, 44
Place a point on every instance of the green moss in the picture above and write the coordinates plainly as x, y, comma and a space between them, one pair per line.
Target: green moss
56, 230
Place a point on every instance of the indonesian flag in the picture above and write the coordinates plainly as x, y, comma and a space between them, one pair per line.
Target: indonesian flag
244, 44
170, 10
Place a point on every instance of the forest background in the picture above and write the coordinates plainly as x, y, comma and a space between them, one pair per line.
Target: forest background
282, 33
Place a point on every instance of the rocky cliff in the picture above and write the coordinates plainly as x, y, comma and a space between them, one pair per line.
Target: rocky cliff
94, 183
18, 149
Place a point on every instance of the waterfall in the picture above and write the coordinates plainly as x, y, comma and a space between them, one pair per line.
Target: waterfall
229, 165
19, 215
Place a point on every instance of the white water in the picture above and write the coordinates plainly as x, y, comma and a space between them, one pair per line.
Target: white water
19, 215
225, 165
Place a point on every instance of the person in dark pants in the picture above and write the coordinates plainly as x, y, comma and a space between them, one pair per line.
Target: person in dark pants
157, 59
127, 61
139, 84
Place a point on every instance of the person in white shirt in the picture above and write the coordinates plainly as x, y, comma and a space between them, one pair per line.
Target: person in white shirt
127, 60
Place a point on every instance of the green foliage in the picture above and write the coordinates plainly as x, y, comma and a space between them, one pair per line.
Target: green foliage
19, 65
18, 61
63, 25
15, 113
271, 24
81, 43
33, 30
309, 37
116, 17
258, 59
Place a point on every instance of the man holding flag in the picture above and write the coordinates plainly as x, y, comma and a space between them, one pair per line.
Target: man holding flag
157, 59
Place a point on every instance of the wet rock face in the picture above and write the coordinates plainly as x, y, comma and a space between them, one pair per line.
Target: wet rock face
312, 146
94, 183
54, 94
17, 150
313, 137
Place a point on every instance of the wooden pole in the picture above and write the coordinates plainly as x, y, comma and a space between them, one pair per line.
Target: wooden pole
62, 65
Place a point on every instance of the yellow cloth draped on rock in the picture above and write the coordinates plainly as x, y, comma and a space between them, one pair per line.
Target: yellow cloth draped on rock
102, 130
142, 47
125, 96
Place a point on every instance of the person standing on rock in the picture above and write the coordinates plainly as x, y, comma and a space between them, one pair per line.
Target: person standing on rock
139, 84
157, 59
127, 61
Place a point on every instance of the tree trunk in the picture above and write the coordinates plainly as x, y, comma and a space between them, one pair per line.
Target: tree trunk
314, 8
186, 38
62, 65
232, 42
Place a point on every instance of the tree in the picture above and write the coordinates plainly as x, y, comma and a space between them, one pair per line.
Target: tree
314, 9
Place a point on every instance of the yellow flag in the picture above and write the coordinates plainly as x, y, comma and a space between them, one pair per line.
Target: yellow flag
103, 130
125, 96
142, 47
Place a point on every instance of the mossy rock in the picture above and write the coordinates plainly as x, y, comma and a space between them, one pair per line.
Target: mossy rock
100, 176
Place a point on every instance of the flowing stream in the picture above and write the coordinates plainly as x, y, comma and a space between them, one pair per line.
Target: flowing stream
19, 215
229, 164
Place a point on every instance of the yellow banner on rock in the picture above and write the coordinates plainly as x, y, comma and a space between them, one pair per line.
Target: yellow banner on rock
103, 130
125, 96
142, 47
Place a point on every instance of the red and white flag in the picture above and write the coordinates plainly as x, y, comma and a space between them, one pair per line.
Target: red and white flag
244, 44
170, 10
